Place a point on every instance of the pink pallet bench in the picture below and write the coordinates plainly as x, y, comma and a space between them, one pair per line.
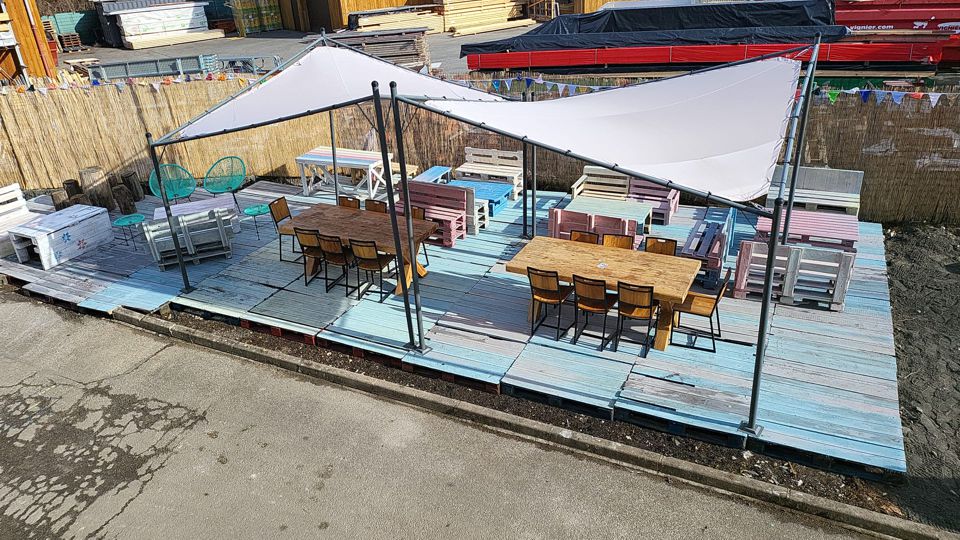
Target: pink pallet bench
612, 225
564, 221
446, 205
665, 201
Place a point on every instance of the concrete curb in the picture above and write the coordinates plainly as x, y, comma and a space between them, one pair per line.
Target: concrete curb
841, 513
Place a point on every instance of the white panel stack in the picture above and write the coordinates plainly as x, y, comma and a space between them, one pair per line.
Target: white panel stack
164, 24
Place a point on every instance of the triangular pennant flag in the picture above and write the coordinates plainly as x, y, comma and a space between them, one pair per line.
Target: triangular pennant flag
916, 95
528, 81
897, 96
865, 95
881, 95
854, 90
539, 79
934, 98
595, 88
120, 86
561, 87
3, 90
496, 85
507, 82
42, 90
187, 77
156, 86
832, 95
95, 82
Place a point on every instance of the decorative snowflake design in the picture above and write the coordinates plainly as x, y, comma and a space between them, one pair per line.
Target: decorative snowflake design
56, 255
66, 237
81, 244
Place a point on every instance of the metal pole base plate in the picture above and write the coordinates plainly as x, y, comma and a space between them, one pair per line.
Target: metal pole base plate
755, 430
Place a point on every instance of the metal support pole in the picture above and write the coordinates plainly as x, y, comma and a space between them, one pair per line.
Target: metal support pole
333, 149
166, 208
798, 153
526, 234
411, 247
398, 245
750, 425
533, 190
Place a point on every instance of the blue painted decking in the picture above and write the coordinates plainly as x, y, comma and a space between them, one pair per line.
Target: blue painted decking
829, 385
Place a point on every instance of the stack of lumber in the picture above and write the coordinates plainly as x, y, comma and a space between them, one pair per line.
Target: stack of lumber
164, 24
400, 17
406, 48
464, 17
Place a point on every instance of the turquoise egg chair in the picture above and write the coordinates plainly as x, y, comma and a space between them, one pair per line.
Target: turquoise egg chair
177, 182
225, 176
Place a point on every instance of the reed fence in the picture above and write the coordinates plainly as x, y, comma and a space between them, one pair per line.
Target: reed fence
910, 153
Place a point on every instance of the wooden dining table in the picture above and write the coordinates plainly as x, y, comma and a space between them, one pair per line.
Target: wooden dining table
355, 224
671, 277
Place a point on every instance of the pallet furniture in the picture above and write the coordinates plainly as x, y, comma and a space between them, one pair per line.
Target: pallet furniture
495, 193
830, 230
562, 221
641, 214
665, 201
801, 273
13, 211
197, 207
63, 235
355, 224
493, 166
434, 175
317, 164
448, 206
601, 183
671, 277
201, 235
821, 188
708, 244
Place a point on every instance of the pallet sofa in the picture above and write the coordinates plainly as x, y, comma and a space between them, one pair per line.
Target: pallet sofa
446, 205
563, 221
801, 273
478, 217
493, 166
601, 183
201, 236
821, 188
13, 211
708, 244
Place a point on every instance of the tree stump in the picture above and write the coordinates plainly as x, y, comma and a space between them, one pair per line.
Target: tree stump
124, 200
132, 180
115, 180
80, 199
60, 199
96, 185
72, 187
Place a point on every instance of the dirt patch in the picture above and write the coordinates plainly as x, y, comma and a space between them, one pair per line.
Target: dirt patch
856, 491
924, 268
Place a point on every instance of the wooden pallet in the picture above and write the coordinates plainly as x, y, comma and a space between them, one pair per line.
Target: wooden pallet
71, 43
460, 16
398, 18
404, 47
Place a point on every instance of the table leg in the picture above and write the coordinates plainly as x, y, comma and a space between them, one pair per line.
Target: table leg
313, 264
664, 327
303, 179
408, 275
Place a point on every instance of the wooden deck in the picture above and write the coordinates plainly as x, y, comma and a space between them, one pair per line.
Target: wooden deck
829, 391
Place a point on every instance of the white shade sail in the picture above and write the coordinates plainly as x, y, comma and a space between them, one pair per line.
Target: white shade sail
719, 131
324, 78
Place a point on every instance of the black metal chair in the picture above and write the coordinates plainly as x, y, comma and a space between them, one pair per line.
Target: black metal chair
591, 297
635, 302
371, 261
701, 305
309, 241
280, 212
545, 289
335, 253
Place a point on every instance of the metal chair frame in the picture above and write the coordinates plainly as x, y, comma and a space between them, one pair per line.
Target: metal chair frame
359, 246
348, 259
696, 332
563, 292
309, 240
280, 211
654, 308
578, 332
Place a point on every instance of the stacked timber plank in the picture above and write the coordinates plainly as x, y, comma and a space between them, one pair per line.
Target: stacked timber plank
464, 17
155, 25
406, 48
427, 16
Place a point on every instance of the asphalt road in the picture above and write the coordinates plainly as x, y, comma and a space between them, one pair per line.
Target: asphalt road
111, 432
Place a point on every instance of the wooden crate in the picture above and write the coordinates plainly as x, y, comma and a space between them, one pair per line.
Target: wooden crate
63, 235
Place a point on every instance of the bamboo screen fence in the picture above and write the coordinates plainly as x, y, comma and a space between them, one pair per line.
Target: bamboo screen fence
910, 153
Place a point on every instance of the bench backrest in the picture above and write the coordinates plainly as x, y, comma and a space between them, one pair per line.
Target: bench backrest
440, 195
646, 190
823, 179
12, 202
500, 158
602, 183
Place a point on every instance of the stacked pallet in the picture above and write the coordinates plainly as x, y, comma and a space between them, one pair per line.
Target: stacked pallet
164, 24
464, 17
406, 48
400, 17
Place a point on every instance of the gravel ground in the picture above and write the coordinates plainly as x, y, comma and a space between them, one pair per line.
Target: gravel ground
924, 267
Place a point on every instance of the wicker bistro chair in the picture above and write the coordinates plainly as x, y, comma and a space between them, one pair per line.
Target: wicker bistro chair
309, 241
663, 246
349, 202
421, 214
375, 206
371, 261
635, 302
280, 213
178, 183
591, 296
701, 305
623, 241
545, 289
337, 254
226, 175
585, 237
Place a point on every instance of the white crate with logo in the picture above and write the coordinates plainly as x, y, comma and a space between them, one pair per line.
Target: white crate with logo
62, 235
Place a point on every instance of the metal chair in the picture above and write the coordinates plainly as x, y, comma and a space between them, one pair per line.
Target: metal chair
421, 214
226, 175
310, 245
635, 302
178, 183
348, 202
335, 253
584, 236
280, 213
623, 241
591, 296
701, 305
370, 260
545, 289
375, 206
663, 246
